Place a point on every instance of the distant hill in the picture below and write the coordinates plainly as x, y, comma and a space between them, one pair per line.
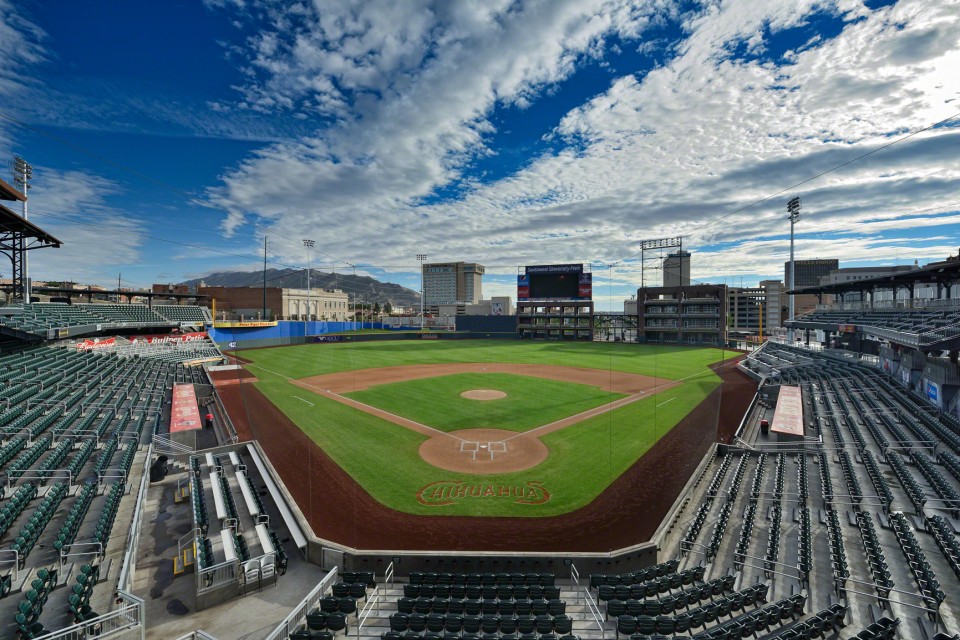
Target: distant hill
364, 287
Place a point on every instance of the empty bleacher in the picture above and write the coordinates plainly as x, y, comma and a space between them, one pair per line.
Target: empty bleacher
861, 514
71, 428
39, 318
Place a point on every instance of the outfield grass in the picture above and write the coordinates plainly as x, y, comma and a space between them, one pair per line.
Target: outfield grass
530, 402
584, 459
662, 361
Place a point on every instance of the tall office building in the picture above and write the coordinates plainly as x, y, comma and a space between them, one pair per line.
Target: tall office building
676, 269
452, 283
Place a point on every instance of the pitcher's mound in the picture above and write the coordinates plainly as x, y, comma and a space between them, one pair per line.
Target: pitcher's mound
468, 451
483, 394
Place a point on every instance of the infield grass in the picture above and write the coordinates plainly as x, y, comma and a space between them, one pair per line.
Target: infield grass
530, 402
584, 458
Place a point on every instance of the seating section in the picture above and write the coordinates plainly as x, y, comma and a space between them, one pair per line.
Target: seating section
182, 313
39, 318
925, 326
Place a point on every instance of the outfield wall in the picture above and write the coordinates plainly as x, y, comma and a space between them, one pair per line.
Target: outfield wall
285, 332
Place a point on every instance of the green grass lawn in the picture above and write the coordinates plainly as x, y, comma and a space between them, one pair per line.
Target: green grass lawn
530, 402
662, 361
584, 459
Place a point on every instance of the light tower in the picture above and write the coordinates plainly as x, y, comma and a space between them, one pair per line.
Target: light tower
793, 211
421, 257
308, 244
22, 174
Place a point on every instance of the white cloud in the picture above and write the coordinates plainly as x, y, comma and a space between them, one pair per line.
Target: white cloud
655, 155
97, 239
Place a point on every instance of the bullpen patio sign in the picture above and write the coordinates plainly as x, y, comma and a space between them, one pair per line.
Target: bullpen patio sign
447, 492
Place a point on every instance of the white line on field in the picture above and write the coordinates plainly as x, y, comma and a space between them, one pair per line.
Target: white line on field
302, 400
666, 401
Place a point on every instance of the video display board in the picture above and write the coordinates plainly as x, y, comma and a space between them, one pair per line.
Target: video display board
555, 282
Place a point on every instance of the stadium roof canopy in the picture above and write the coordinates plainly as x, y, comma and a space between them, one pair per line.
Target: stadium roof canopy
12, 224
943, 273
9, 193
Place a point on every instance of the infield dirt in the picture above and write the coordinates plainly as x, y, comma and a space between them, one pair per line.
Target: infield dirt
626, 513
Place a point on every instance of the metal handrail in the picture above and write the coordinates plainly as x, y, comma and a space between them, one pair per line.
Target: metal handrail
130, 556
293, 620
594, 611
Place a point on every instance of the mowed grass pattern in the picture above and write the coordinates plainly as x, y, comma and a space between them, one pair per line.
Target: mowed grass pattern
301, 361
584, 458
530, 402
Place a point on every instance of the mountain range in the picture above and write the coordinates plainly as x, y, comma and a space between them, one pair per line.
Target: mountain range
363, 288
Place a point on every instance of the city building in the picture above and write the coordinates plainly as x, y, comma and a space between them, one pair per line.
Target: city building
676, 269
682, 315
247, 303
495, 306
809, 272
746, 306
452, 283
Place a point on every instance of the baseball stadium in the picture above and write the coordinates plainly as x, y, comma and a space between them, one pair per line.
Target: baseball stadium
519, 477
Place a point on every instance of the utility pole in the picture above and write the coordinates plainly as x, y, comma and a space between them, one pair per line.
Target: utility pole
308, 244
22, 174
421, 257
793, 209
264, 278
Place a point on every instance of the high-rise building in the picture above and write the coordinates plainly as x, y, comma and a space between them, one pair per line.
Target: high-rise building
676, 269
452, 283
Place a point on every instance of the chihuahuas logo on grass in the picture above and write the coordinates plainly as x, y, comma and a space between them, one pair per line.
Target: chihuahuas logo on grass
446, 492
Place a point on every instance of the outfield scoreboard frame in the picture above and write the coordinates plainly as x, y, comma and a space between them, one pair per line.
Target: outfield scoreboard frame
554, 283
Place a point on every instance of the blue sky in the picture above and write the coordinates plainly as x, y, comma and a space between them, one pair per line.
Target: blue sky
169, 138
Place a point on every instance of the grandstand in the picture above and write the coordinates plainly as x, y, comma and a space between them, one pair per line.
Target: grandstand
41, 320
114, 523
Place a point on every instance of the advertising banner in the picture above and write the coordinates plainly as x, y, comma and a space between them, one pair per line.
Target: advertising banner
92, 344
184, 413
170, 337
523, 287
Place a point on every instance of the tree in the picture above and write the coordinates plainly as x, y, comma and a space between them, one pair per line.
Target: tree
388, 308
376, 308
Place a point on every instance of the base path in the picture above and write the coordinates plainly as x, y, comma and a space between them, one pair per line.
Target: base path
625, 513
513, 451
615, 381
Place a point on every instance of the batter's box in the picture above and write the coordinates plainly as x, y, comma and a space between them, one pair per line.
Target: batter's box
497, 447
470, 447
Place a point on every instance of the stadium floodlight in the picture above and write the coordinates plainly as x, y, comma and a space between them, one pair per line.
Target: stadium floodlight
308, 244
22, 174
793, 211
421, 257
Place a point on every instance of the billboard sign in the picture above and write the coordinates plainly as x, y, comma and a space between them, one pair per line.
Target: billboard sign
555, 282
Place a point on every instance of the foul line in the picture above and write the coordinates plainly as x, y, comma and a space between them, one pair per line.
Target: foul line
374, 411
575, 419
302, 400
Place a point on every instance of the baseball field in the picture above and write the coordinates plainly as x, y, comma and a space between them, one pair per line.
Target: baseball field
484, 427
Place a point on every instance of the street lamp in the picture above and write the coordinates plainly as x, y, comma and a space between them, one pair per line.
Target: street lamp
308, 244
793, 211
421, 257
